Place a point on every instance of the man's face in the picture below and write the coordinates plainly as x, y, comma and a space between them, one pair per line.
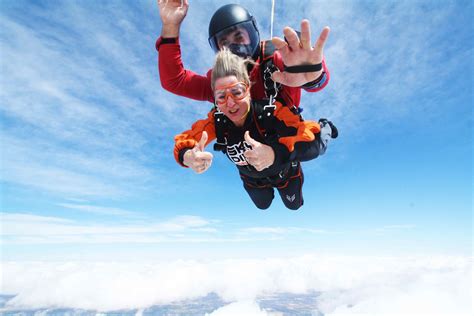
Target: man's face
239, 36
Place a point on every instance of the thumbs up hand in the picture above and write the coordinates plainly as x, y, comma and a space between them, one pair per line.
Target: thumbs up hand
196, 158
261, 156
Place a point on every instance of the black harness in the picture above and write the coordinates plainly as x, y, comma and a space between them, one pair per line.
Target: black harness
262, 109
264, 117
221, 124
267, 68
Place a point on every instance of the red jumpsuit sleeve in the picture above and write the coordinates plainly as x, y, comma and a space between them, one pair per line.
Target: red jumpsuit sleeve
189, 138
178, 80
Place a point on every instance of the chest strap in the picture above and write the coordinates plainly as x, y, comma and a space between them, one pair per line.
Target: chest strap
263, 115
266, 122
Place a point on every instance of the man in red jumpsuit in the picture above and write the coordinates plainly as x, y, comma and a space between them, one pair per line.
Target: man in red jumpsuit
299, 64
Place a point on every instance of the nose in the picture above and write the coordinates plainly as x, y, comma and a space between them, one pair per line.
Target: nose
230, 102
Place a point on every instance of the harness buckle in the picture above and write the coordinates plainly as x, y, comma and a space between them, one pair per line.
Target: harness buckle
271, 87
222, 144
282, 174
269, 107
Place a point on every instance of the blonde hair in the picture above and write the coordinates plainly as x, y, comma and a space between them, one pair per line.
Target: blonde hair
229, 64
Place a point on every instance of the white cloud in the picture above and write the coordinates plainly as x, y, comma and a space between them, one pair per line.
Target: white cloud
348, 285
99, 209
18, 228
435, 293
381, 59
138, 228
81, 102
32, 218
26, 229
266, 230
73, 173
393, 228
281, 230
248, 308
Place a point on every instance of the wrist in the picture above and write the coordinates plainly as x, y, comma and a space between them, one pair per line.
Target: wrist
316, 76
185, 156
170, 30
318, 82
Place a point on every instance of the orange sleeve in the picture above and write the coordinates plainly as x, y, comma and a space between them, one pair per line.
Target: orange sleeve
305, 130
191, 137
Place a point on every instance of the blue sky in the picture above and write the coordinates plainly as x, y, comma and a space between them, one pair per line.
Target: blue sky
88, 175
87, 135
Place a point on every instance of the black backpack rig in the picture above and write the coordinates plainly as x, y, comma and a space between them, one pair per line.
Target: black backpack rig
264, 117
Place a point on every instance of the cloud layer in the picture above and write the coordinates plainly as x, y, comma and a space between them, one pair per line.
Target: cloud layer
348, 285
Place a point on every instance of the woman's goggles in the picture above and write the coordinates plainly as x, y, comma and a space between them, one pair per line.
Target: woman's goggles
237, 91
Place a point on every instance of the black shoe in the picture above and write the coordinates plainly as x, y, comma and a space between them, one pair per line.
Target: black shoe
334, 131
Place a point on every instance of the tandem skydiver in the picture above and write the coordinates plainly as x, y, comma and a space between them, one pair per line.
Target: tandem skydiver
265, 142
293, 62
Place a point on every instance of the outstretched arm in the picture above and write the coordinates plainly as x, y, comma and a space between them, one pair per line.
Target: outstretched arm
297, 51
189, 145
172, 14
173, 76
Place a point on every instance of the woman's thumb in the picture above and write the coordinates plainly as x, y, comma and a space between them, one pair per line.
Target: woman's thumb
203, 141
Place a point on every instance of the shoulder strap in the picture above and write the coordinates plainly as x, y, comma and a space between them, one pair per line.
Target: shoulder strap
268, 49
220, 125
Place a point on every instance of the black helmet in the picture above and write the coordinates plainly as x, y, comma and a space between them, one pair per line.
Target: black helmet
227, 19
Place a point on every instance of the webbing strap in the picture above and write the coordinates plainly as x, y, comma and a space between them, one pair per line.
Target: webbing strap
303, 68
220, 124
268, 68
271, 87
265, 117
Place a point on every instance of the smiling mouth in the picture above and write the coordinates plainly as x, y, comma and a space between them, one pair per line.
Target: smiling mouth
233, 111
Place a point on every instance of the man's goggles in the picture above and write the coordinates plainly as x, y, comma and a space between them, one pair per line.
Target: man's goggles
235, 46
237, 91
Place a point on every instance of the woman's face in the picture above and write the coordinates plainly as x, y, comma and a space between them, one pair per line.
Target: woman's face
232, 98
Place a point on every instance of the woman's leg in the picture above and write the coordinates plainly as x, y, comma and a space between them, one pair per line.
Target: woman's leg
262, 197
291, 191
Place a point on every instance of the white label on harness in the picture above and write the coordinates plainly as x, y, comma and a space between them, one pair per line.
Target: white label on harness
236, 153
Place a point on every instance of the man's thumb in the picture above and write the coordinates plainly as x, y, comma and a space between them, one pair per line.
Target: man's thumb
277, 76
